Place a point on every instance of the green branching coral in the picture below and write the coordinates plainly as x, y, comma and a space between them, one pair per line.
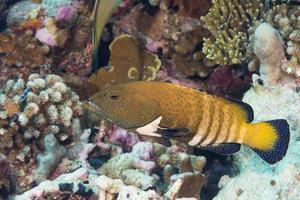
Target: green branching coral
227, 21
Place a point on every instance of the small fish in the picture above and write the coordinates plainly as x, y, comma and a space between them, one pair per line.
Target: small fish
168, 111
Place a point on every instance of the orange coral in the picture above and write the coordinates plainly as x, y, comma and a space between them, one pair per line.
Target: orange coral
31, 24
11, 108
22, 50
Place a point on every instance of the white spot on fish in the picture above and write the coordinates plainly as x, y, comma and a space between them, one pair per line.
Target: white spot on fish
150, 129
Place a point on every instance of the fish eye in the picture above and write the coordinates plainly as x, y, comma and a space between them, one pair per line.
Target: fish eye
114, 97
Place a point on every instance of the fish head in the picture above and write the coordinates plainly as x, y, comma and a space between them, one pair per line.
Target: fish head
126, 105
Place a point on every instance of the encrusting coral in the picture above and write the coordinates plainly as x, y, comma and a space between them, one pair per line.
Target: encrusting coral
30, 110
228, 21
176, 36
22, 50
127, 63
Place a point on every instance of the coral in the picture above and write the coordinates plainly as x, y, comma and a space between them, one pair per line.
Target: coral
65, 11
31, 110
188, 60
268, 47
125, 167
21, 13
229, 81
50, 159
67, 195
227, 21
78, 62
37, 192
285, 18
51, 34
127, 63
178, 38
22, 50
188, 168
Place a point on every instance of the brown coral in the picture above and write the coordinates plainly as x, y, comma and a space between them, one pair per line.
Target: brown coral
22, 50
127, 63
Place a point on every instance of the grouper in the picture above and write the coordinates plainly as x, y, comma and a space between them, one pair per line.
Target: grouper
171, 112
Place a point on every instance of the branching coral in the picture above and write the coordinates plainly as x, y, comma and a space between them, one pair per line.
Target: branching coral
31, 109
227, 21
22, 50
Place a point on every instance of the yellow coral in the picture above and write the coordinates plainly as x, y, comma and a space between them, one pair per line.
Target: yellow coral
227, 21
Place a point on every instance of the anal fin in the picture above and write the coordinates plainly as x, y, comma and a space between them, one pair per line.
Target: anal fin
223, 148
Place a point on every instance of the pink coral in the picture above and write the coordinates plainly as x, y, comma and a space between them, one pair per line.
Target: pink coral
121, 136
67, 12
44, 36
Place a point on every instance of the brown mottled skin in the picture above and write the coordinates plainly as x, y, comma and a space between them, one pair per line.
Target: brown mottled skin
166, 111
142, 102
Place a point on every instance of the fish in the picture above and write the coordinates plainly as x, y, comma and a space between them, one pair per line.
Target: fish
103, 10
171, 112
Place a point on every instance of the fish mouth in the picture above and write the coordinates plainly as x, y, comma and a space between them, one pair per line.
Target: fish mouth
91, 106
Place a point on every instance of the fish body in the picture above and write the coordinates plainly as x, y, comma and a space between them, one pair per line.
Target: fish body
103, 10
165, 110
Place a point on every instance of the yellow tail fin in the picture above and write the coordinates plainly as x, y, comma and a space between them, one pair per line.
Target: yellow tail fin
269, 139
261, 136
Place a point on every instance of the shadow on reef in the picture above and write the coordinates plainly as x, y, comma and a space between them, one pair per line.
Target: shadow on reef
216, 166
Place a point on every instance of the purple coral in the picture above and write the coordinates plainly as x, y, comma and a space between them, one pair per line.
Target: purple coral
67, 12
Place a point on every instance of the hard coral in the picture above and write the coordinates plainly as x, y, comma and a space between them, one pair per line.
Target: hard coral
227, 21
286, 19
127, 63
22, 50
167, 29
29, 111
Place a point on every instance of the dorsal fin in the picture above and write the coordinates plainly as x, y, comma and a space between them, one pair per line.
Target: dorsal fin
246, 107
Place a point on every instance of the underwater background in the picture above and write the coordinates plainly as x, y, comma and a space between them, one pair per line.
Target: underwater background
55, 54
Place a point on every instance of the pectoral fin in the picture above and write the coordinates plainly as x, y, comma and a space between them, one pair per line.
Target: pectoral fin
223, 148
150, 129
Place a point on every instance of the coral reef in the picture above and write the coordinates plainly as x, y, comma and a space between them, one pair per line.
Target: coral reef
46, 54
285, 18
31, 110
268, 47
270, 99
21, 13
22, 50
227, 21
177, 36
127, 63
